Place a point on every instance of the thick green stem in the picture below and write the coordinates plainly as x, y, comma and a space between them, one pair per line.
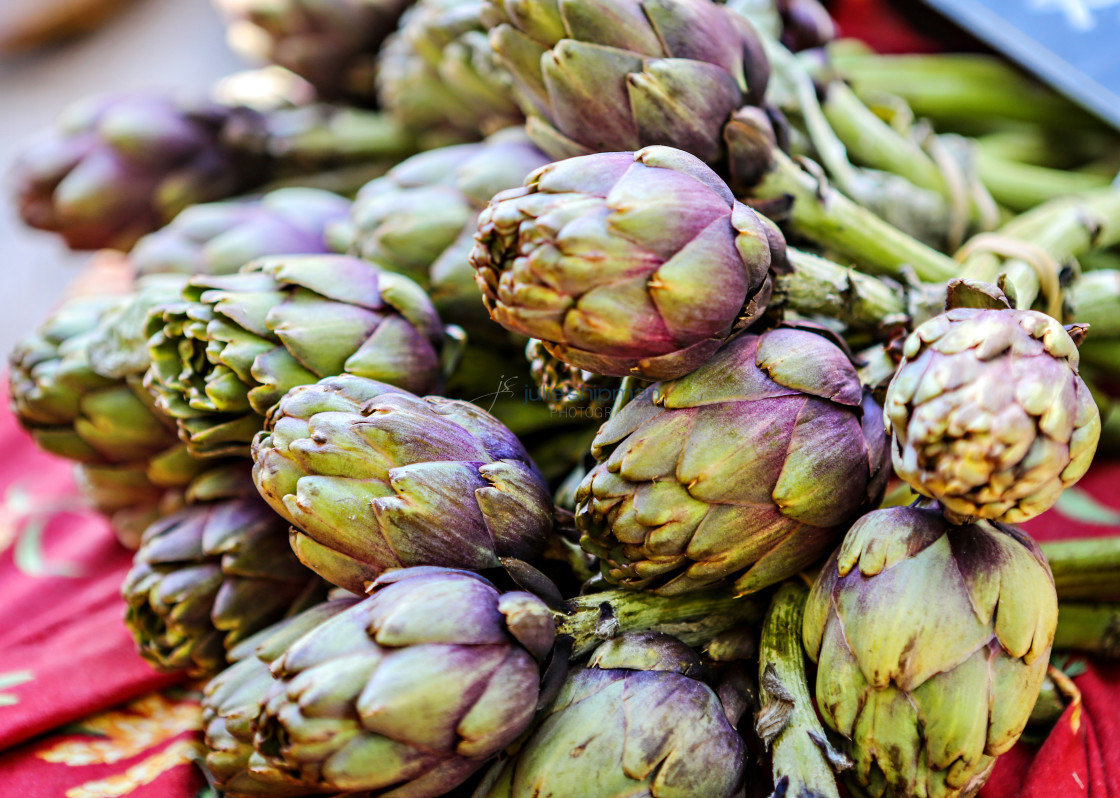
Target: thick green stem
826, 216
1094, 628
1094, 299
819, 286
1049, 706
1022, 186
1086, 569
787, 719
694, 618
325, 134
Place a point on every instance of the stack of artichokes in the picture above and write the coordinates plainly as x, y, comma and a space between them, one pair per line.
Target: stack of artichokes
499, 469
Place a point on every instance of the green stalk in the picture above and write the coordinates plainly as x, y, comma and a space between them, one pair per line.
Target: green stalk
1085, 569
694, 618
828, 217
1094, 299
799, 748
1094, 628
1022, 186
1049, 706
326, 134
817, 286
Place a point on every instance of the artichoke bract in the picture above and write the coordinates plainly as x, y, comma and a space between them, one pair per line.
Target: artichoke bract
437, 72
221, 237
332, 44
232, 701
749, 469
419, 219
931, 641
225, 354
989, 415
409, 691
636, 721
626, 263
115, 168
374, 478
131, 465
212, 574
616, 75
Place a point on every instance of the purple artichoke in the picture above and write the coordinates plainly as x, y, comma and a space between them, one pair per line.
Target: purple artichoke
748, 469
626, 263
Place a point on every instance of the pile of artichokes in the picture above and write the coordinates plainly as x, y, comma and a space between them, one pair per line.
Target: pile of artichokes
486, 445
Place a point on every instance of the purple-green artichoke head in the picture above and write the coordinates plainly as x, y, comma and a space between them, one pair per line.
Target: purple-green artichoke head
232, 701
419, 219
212, 574
374, 478
989, 415
747, 470
611, 75
114, 168
332, 44
626, 263
636, 721
131, 465
931, 642
411, 690
221, 237
439, 73
224, 355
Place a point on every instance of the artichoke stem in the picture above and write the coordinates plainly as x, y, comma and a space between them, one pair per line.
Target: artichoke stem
801, 755
1094, 628
694, 618
1087, 569
345, 180
819, 286
1022, 186
1050, 704
825, 215
324, 134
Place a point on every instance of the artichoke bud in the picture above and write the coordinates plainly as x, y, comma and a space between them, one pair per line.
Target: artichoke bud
926, 695
225, 354
988, 413
619, 727
747, 470
413, 688
375, 478
625, 264
221, 237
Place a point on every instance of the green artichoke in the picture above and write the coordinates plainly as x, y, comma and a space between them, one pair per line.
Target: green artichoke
131, 465
375, 478
749, 469
626, 263
225, 354
232, 701
932, 643
419, 219
989, 415
612, 75
212, 574
409, 691
637, 721
115, 168
437, 72
221, 237
332, 44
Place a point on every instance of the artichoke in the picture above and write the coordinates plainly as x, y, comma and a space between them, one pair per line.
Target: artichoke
409, 691
332, 44
932, 642
375, 478
232, 703
419, 219
221, 237
626, 263
567, 389
438, 72
611, 75
226, 353
131, 465
637, 721
212, 574
748, 469
989, 415
115, 168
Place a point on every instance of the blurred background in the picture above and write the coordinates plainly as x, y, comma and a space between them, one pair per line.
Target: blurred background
180, 45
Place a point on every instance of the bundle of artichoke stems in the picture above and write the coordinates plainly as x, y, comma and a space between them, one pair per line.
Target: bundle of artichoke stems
500, 469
